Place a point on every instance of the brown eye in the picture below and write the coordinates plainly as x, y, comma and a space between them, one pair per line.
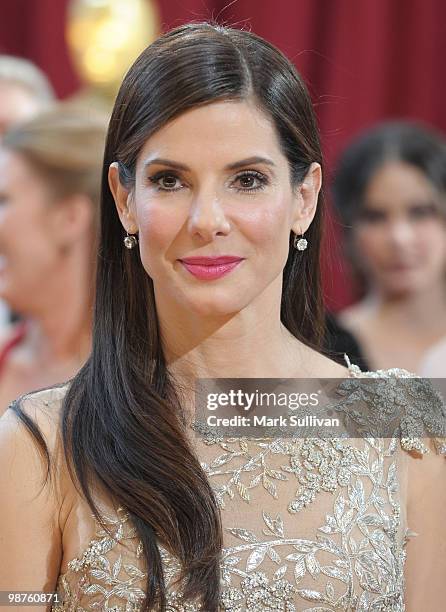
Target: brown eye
165, 181
168, 181
247, 181
251, 181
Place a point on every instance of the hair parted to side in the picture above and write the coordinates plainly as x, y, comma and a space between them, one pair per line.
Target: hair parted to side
123, 426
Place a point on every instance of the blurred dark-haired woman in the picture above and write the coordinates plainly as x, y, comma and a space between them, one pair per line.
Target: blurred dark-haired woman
390, 192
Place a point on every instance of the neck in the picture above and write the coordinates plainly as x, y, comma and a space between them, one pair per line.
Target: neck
252, 343
424, 309
59, 338
59, 323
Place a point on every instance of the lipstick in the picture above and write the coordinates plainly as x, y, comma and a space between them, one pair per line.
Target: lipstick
209, 268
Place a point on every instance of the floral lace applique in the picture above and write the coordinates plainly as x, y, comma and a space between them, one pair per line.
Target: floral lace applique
99, 581
360, 536
417, 408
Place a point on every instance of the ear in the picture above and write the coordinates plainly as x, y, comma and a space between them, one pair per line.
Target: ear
71, 220
123, 200
307, 199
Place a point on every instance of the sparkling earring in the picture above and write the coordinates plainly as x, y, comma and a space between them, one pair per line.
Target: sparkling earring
300, 243
130, 241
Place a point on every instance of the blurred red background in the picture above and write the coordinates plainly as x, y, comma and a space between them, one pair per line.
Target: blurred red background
363, 62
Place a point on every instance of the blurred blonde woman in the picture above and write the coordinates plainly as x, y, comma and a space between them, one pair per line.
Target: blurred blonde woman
49, 192
25, 91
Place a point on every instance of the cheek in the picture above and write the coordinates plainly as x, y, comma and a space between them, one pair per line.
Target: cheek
158, 227
368, 244
31, 241
12, 218
432, 243
267, 225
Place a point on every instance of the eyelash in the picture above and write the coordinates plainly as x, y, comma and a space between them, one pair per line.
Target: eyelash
260, 177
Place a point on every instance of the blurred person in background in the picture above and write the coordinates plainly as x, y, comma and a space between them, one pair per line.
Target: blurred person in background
24, 92
389, 191
49, 193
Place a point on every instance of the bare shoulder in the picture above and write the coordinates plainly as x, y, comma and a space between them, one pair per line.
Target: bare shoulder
318, 365
426, 553
33, 490
39, 410
31, 451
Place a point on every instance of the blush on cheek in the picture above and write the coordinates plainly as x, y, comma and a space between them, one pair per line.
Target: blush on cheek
266, 223
158, 223
158, 229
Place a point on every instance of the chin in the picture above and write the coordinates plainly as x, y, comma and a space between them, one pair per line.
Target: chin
213, 307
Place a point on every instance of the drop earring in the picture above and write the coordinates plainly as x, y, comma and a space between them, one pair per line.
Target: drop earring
300, 243
130, 241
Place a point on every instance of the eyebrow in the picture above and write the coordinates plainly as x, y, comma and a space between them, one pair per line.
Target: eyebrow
238, 164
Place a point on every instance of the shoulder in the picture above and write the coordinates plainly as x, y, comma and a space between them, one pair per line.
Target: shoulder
416, 404
43, 407
33, 468
34, 491
31, 423
318, 365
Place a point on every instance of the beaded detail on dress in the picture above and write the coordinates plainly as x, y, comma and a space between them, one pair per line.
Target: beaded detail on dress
310, 525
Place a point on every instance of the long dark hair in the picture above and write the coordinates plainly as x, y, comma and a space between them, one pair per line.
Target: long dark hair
122, 423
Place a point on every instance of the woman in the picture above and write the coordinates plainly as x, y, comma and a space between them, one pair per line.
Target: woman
24, 92
49, 177
212, 152
390, 189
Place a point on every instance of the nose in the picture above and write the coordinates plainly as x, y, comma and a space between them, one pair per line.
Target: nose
401, 234
206, 216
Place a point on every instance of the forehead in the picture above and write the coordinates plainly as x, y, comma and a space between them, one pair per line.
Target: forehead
215, 133
399, 182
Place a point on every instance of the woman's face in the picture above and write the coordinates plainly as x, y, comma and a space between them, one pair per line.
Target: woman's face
214, 182
400, 236
28, 255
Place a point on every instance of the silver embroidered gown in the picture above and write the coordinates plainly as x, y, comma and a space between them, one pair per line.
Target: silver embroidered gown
309, 525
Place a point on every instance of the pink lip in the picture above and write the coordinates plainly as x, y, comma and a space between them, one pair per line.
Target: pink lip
211, 261
208, 268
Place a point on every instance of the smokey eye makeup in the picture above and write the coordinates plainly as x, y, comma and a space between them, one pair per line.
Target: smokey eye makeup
249, 181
